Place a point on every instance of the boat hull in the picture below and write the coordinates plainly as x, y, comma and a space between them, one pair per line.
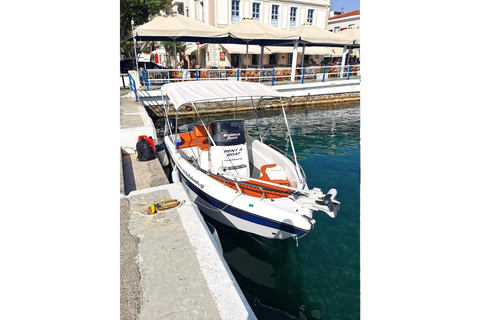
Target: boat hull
234, 217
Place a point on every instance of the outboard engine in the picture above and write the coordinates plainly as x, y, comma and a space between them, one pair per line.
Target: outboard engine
229, 154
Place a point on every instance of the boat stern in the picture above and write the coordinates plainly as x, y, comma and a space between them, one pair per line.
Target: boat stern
318, 201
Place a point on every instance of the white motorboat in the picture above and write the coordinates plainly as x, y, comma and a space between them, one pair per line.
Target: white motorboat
236, 179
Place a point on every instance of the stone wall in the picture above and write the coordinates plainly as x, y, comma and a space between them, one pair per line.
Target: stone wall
222, 107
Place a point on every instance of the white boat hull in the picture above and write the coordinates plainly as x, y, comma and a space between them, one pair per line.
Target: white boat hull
233, 178
233, 221
279, 219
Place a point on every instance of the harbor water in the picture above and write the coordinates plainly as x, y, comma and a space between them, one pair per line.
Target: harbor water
319, 278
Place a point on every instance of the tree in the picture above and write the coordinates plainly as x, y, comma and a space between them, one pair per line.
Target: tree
141, 11
168, 45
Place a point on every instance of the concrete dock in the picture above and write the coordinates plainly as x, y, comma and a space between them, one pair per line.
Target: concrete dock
170, 265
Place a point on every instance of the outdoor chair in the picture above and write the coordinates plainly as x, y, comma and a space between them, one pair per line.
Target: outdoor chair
279, 75
253, 76
333, 72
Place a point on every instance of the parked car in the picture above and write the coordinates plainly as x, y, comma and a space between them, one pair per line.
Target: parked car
129, 64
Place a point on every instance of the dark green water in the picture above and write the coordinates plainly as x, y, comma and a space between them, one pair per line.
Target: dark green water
319, 279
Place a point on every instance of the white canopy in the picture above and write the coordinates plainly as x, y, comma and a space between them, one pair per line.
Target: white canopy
326, 51
198, 91
242, 49
249, 29
192, 49
175, 26
318, 35
353, 34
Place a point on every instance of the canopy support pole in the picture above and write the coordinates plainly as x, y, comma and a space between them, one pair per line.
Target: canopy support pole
344, 57
198, 55
175, 53
291, 142
246, 62
256, 118
261, 57
303, 53
135, 48
294, 60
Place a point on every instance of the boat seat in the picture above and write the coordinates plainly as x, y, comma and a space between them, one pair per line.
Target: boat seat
275, 174
190, 139
202, 136
270, 192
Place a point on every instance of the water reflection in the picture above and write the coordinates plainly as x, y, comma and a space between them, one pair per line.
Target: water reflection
268, 271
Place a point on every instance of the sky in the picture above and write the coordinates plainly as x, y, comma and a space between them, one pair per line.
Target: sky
348, 5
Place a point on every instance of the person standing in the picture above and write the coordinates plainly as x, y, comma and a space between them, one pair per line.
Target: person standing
185, 65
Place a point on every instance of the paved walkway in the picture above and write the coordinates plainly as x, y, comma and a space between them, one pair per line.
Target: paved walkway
169, 266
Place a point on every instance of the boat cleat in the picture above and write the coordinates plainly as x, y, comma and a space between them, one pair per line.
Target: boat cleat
318, 201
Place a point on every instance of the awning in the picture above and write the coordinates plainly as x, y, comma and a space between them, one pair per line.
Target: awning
193, 48
256, 32
242, 49
326, 51
178, 27
211, 90
316, 35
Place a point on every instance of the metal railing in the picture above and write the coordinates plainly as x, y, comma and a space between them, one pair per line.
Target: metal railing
266, 75
236, 182
133, 86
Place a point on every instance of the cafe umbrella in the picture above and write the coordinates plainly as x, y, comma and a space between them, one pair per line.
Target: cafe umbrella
176, 27
249, 31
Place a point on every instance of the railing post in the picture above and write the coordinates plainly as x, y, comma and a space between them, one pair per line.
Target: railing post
303, 73
324, 69
238, 74
348, 75
273, 76
132, 84
196, 73
145, 76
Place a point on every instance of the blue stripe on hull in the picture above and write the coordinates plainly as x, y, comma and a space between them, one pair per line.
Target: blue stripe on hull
240, 213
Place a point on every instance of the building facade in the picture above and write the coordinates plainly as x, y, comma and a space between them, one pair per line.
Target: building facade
342, 21
284, 14
222, 13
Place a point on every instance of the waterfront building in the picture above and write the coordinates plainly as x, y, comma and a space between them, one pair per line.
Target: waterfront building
339, 21
221, 13
285, 14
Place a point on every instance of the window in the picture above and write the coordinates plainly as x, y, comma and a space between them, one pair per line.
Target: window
272, 59
337, 29
256, 11
289, 58
235, 10
310, 16
274, 15
255, 59
293, 17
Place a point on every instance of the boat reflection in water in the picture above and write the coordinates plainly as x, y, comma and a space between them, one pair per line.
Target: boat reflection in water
269, 268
